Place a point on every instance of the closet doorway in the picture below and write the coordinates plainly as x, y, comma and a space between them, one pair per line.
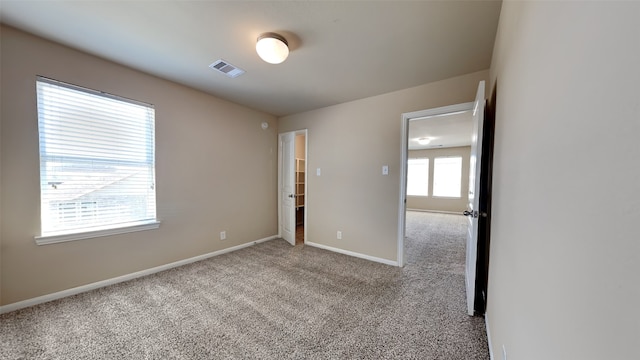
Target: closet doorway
301, 182
292, 186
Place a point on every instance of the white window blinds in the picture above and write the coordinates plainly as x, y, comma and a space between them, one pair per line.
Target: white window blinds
97, 160
418, 177
447, 176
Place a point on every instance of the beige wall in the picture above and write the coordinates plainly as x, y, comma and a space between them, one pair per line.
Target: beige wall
351, 142
438, 203
300, 147
209, 153
565, 249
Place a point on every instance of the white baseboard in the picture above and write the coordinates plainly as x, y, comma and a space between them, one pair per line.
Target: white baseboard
84, 288
486, 324
437, 211
354, 254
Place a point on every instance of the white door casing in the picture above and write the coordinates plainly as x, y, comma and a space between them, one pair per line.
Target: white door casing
473, 210
286, 182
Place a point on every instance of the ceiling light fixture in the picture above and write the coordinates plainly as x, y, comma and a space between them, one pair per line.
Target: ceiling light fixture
272, 48
423, 140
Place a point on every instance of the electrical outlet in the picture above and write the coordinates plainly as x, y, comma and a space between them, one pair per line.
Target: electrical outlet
223, 235
504, 352
339, 235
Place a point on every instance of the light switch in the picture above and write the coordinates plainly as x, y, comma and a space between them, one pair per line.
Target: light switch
318, 172
385, 170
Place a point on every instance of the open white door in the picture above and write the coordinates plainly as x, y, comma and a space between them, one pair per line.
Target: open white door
473, 207
287, 188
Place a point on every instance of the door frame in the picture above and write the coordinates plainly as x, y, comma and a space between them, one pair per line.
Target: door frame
304, 132
406, 119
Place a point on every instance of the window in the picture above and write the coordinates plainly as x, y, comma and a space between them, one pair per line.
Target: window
447, 176
97, 163
418, 177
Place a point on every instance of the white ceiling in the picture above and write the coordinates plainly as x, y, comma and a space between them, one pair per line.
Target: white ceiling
340, 50
444, 131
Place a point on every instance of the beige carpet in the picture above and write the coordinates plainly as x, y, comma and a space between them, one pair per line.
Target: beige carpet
270, 301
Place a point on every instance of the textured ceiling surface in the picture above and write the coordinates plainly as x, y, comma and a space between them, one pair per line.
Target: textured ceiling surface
443, 131
340, 50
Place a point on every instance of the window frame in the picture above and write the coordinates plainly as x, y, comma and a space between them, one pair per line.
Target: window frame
99, 230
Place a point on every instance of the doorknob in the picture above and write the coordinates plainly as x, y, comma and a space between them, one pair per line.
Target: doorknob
291, 196
473, 214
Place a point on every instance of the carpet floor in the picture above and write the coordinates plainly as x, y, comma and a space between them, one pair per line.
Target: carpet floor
270, 301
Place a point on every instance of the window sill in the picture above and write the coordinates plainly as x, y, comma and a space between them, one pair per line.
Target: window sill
132, 227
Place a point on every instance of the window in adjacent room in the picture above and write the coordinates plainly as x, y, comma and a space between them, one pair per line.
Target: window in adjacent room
97, 163
447, 176
418, 177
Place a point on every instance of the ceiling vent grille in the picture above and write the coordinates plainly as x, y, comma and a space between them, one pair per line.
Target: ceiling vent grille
226, 68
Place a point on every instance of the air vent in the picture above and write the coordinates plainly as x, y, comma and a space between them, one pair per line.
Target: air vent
226, 68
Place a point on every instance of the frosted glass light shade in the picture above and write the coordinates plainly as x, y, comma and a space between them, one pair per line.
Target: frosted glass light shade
272, 48
423, 141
